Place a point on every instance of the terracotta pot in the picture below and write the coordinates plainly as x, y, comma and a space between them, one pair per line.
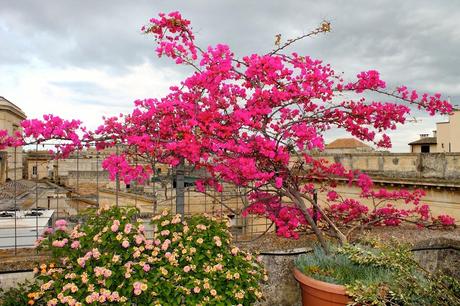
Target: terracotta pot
318, 293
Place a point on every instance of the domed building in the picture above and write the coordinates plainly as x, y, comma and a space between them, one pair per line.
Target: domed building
10, 159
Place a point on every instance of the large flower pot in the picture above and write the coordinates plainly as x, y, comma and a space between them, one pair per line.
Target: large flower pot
318, 293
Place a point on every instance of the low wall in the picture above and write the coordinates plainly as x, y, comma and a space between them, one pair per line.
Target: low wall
440, 255
437, 254
10, 280
281, 289
432, 166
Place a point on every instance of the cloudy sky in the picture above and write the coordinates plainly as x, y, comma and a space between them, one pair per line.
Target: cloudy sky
85, 58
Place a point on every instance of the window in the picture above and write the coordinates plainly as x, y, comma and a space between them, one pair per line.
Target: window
425, 149
34, 170
449, 148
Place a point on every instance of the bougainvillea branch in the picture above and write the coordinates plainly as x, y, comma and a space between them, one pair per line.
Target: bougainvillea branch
254, 122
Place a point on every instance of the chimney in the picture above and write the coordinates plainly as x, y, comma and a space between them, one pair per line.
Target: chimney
423, 136
435, 133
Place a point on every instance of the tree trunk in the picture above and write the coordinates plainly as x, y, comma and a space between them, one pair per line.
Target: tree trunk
342, 238
300, 203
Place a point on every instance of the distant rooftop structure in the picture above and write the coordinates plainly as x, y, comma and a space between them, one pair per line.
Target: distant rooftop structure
11, 117
424, 140
446, 137
21, 228
347, 145
9, 106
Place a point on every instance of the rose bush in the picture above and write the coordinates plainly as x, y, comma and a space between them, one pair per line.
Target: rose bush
113, 259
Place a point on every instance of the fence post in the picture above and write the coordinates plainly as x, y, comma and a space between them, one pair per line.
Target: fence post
15, 199
97, 179
117, 186
180, 204
315, 200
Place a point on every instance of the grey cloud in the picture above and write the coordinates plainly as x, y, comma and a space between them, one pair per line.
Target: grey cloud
88, 93
414, 42
411, 42
81, 87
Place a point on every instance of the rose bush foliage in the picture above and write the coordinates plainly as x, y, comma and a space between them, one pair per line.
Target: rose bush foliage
110, 259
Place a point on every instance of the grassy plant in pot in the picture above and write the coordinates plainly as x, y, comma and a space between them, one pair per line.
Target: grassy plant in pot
373, 273
255, 122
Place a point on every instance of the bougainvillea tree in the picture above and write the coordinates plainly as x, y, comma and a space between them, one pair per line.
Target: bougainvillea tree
255, 121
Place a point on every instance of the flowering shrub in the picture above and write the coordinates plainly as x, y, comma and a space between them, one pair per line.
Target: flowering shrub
111, 259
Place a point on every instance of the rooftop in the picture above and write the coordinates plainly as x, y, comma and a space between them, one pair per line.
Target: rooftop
11, 107
425, 140
346, 143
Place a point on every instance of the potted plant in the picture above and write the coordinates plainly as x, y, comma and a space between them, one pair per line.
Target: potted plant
372, 273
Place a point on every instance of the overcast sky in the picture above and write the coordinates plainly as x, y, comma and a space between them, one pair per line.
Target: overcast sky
86, 58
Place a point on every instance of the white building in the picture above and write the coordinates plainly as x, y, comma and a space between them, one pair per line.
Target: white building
446, 137
448, 133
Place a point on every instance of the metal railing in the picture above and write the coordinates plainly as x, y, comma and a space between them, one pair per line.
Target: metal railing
37, 190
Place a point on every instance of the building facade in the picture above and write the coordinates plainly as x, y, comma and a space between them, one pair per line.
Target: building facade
445, 139
11, 167
448, 134
37, 165
425, 144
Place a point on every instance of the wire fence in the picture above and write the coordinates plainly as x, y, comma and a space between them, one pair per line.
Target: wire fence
37, 190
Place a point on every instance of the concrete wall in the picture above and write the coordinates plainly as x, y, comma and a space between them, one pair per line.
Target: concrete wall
349, 150
397, 166
63, 166
42, 169
440, 201
439, 255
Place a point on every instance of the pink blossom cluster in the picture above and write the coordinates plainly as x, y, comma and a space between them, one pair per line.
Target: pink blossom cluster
286, 218
7, 141
102, 271
61, 225
118, 165
173, 35
139, 287
82, 260
434, 103
103, 296
444, 220
53, 127
350, 210
367, 80
60, 243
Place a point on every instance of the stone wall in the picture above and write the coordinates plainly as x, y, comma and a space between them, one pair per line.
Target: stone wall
282, 288
433, 166
10, 280
440, 255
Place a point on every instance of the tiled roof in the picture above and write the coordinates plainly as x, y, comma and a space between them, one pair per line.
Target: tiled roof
346, 143
425, 140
